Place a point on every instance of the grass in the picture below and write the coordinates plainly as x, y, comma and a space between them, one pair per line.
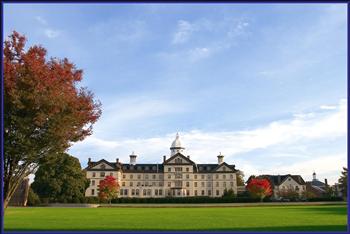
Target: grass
280, 218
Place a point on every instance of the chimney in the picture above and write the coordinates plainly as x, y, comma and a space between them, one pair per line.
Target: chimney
220, 158
133, 158
314, 176
279, 179
89, 161
326, 182
117, 160
164, 158
188, 156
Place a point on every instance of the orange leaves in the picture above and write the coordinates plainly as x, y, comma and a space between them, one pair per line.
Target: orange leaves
259, 187
108, 188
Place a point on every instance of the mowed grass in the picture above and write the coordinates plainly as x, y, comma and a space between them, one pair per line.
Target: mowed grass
263, 218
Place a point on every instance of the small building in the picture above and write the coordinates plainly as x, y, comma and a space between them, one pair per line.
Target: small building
316, 187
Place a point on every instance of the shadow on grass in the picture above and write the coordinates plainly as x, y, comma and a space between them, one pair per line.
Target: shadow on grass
323, 210
342, 228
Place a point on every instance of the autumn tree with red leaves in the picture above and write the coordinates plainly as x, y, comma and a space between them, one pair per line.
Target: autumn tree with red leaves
259, 187
44, 110
108, 188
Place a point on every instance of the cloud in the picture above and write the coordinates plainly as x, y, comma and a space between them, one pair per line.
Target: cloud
327, 107
41, 20
183, 32
51, 33
291, 140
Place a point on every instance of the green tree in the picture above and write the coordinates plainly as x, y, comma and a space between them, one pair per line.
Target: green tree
343, 182
60, 179
240, 180
45, 111
33, 198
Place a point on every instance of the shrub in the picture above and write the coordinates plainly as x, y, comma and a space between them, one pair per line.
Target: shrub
33, 198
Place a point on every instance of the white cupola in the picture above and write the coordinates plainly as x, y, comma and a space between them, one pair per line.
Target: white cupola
176, 146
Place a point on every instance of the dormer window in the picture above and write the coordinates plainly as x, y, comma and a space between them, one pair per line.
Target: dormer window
154, 168
146, 168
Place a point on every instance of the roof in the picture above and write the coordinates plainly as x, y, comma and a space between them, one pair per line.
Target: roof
157, 168
277, 180
317, 183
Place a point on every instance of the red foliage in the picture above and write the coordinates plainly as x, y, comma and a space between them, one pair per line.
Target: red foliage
259, 187
108, 188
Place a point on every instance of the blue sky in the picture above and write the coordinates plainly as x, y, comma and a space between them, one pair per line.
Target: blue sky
265, 84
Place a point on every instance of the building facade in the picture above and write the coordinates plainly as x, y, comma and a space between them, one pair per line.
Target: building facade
177, 176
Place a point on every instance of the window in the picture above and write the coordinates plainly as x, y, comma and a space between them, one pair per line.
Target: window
209, 177
217, 192
224, 184
144, 192
153, 168
169, 169
217, 176
111, 174
139, 168
202, 177
224, 176
169, 176
187, 184
187, 169
178, 183
147, 168
178, 160
131, 184
203, 193
231, 176
124, 176
187, 176
156, 192
203, 184
160, 192
92, 182
209, 192
209, 184
149, 192
195, 184
94, 174
231, 184
146, 183
138, 183
289, 179
195, 176
146, 177
178, 176
133, 192
217, 184
102, 174
137, 192
131, 176
139, 177
296, 188
154, 177
153, 183
161, 184
178, 168
92, 191
188, 192
201, 168
126, 192
169, 184
123, 183
195, 192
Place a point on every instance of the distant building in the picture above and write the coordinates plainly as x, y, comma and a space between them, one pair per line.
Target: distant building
177, 176
316, 187
283, 183
20, 197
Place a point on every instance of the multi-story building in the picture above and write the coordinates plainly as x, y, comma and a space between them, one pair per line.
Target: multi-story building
177, 176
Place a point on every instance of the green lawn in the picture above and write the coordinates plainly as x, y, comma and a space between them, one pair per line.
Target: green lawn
280, 218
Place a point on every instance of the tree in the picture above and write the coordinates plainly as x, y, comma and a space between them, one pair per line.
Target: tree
60, 179
343, 182
108, 188
289, 193
33, 198
259, 187
44, 110
240, 180
229, 193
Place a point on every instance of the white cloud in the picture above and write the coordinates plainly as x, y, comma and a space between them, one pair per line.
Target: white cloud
328, 107
41, 20
287, 135
51, 33
183, 32
198, 54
